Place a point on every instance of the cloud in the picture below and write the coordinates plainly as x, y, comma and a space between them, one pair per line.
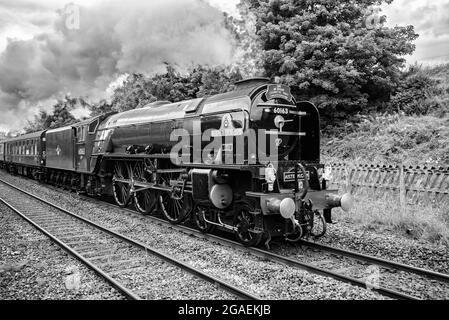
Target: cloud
82, 56
431, 22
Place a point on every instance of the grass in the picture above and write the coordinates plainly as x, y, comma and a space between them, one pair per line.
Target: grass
399, 137
424, 222
391, 139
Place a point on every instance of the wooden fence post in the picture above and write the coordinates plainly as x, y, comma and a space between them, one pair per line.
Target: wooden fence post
402, 191
348, 186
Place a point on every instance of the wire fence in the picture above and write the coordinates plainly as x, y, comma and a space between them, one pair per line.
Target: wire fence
412, 184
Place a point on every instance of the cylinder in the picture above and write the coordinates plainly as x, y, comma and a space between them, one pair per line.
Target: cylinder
286, 207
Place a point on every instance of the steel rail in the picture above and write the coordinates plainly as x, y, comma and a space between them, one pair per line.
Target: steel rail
269, 255
217, 282
383, 262
117, 285
282, 259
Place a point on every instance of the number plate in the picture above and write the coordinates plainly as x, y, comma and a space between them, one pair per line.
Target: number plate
290, 176
280, 110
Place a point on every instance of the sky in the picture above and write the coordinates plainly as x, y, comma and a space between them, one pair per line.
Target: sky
43, 56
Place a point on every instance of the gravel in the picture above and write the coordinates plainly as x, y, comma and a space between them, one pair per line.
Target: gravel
32, 267
267, 279
388, 245
157, 279
408, 283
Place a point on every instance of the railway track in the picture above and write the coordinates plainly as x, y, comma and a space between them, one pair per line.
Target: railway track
378, 261
109, 254
366, 259
396, 294
263, 253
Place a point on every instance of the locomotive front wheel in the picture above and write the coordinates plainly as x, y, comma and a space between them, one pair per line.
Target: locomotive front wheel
249, 227
145, 201
199, 214
175, 210
121, 193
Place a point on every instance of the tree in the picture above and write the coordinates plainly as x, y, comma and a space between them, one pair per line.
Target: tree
100, 107
213, 80
331, 51
134, 93
60, 116
138, 90
417, 92
248, 48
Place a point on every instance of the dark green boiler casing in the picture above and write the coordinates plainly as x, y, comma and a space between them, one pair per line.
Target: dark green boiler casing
148, 130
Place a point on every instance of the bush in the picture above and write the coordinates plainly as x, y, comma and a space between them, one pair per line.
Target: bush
419, 93
392, 139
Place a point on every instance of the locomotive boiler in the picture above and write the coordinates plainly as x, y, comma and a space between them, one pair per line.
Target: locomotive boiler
246, 161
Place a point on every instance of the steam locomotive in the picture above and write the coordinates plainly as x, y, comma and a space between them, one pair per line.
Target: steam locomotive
246, 161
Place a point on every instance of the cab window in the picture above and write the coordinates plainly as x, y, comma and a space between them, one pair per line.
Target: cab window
93, 126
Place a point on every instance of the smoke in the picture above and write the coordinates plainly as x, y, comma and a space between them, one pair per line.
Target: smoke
90, 47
